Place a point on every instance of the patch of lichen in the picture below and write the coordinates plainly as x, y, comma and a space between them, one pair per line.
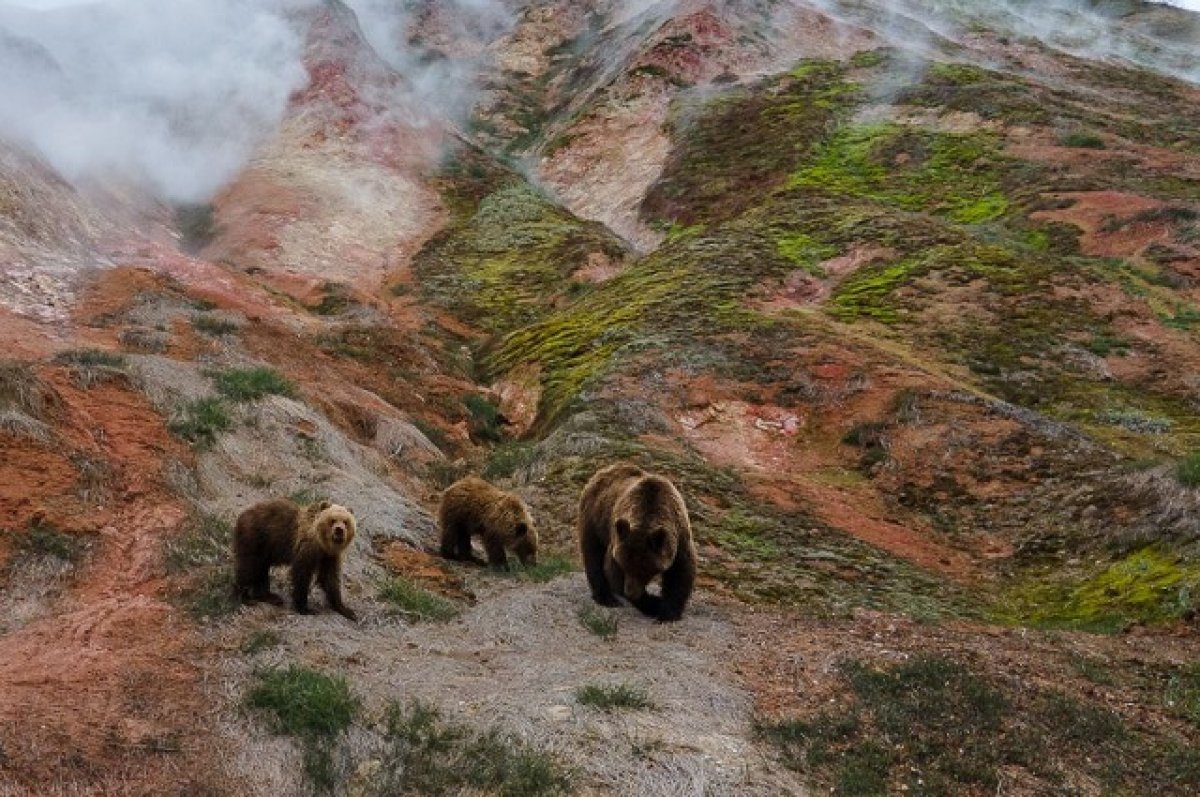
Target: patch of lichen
734, 149
1150, 586
971, 89
1166, 115
688, 293
954, 175
505, 264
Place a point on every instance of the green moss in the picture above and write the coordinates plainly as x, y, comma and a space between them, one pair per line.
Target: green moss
804, 251
502, 266
992, 95
867, 59
870, 292
1146, 586
733, 149
957, 176
745, 536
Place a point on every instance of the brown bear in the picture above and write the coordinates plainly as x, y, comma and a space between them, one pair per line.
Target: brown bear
311, 539
633, 526
472, 507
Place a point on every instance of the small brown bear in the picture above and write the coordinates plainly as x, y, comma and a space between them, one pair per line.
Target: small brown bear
311, 539
633, 526
472, 507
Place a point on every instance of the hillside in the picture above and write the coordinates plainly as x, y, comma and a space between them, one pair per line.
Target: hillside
905, 298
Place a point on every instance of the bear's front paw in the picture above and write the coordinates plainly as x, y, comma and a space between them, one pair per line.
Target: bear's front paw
348, 614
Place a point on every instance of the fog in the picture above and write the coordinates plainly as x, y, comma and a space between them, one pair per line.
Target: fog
174, 96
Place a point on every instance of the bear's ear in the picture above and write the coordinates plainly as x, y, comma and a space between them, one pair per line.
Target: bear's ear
322, 506
521, 530
622, 528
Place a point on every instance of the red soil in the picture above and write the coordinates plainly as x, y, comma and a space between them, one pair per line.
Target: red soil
109, 682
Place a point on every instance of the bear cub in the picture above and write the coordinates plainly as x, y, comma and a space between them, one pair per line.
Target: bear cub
473, 508
634, 527
310, 539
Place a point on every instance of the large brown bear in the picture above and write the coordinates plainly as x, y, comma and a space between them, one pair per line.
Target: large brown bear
633, 526
311, 539
472, 507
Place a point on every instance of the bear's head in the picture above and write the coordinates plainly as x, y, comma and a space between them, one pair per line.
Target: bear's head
645, 539
334, 526
520, 535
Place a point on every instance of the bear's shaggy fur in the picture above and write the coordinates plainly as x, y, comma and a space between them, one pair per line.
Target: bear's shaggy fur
472, 507
311, 539
633, 527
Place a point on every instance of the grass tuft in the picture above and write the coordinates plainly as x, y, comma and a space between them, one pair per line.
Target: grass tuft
213, 325
199, 555
249, 384
548, 568
415, 603
610, 698
427, 755
304, 702
1188, 470
601, 623
259, 641
200, 421
44, 541
205, 541
91, 357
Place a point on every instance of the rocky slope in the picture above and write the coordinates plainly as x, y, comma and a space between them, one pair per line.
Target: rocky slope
905, 297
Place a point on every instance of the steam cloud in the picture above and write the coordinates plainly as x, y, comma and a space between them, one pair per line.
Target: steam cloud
172, 96
441, 64
176, 96
1164, 41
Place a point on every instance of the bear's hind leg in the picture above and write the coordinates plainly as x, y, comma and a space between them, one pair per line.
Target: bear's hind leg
302, 576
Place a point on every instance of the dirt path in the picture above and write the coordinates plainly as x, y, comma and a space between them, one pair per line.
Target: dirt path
514, 660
